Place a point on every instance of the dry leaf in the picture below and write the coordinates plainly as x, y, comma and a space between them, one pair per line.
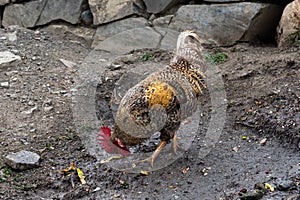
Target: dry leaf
145, 173
244, 137
269, 187
80, 175
110, 159
71, 168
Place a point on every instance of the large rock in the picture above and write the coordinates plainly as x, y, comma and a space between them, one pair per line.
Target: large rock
158, 6
226, 24
83, 33
105, 31
3, 2
289, 26
111, 10
163, 21
1, 13
42, 12
140, 38
8, 59
127, 41
66, 10
8, 35
169, 40
22, 160
24, 15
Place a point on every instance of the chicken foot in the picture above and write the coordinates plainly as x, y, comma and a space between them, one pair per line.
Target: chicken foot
162, 144
155, 154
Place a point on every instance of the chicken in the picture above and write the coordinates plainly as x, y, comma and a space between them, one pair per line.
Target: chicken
160, 102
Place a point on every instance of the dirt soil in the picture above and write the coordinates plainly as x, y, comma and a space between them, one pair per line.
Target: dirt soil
259, 143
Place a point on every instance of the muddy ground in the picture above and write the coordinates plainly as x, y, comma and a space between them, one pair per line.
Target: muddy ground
259, 143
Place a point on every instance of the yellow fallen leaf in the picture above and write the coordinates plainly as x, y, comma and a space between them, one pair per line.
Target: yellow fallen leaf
64, 170
80, 175
110, 159
71, 168
244, 137
146, 173
269, 187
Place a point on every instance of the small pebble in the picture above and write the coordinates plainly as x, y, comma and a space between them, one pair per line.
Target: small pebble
63, 92
252, 195
48, 108
96, 189
11, 73
30, 111
30, 103
68, 63
4, 84
22, 160
284, 184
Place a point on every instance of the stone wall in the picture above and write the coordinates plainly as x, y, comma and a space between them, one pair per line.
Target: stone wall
221, 22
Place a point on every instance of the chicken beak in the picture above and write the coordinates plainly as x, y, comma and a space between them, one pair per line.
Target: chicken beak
120, 143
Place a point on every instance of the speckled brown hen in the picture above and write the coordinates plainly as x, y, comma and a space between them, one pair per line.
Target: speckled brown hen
160, 102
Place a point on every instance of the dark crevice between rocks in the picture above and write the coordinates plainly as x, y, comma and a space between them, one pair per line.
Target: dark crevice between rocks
171, 9
86, 17
161, 37
267, 27
41, 11
140, 6
1, 15
85, 5
146, 16
55, 22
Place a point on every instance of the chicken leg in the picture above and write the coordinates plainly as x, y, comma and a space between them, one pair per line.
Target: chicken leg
175, 144
155, 153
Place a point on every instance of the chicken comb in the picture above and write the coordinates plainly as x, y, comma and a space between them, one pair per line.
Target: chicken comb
104, 140
106, 131
106, 143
